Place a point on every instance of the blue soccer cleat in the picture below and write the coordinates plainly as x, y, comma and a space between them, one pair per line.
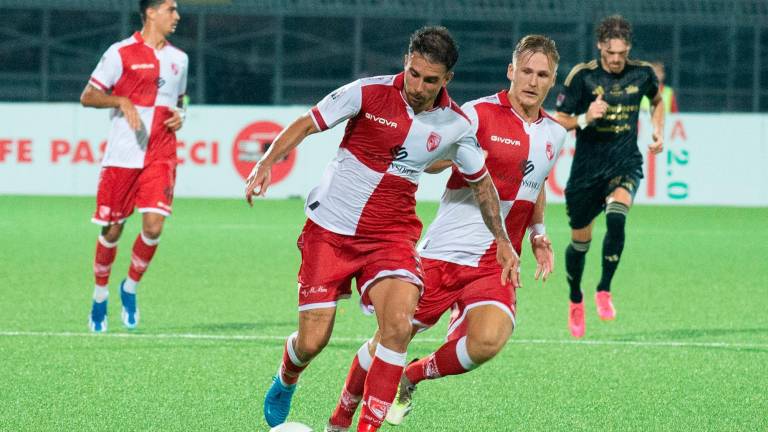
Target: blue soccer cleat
97, 320
277, 402
130, 313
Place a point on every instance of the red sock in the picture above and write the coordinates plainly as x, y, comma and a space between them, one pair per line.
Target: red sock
143, 251
102, 264
380, 387
352, 392
291, 367
450, 359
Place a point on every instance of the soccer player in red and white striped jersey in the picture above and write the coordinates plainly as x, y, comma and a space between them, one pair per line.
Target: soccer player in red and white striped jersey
143, 80
522, 143
362, 223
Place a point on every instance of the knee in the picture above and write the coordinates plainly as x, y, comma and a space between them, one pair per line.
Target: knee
308, 347
152, 230
482, 348
112, 233
397, 331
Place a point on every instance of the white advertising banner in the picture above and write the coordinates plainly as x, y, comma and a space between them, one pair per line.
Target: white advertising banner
55, 149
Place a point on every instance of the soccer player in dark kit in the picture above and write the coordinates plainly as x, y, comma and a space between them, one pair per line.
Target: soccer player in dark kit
601, 100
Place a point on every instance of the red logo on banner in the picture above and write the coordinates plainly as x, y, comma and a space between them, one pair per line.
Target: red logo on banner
550, 151
251, 144
433, 141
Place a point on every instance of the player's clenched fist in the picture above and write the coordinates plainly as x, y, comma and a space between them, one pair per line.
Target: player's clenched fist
597, 109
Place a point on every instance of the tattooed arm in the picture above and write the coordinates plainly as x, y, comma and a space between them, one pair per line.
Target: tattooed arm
488, 200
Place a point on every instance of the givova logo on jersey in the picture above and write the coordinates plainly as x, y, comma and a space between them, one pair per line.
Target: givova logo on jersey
381, 120
503, 140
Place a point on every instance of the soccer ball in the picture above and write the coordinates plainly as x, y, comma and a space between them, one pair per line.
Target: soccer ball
291, 427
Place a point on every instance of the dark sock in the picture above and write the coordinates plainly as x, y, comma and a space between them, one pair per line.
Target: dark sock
575, 254
613, 243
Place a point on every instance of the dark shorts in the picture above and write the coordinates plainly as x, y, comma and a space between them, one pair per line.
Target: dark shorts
583, 204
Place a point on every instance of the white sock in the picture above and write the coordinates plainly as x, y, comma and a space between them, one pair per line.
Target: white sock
100, 293
130, 285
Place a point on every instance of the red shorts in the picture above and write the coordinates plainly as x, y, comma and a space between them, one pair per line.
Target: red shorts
461, 287
330, 261
150, 189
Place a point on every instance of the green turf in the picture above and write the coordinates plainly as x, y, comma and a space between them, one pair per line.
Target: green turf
689, 350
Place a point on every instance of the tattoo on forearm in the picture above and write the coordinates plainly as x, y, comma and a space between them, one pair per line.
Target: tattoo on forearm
488, 200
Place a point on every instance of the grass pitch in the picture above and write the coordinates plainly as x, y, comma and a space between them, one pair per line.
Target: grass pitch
688, 351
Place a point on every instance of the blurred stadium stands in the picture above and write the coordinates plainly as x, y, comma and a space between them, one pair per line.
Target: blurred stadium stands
296, 51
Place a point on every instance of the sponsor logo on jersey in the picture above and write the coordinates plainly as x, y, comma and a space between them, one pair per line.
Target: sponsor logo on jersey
599, 90
503, 140
527, 167
160, 82
138, 66
338, 92
550, 150
433, 142
631, 89
381, 120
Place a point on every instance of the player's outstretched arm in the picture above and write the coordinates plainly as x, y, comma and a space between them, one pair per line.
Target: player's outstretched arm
260, 177
488, 200
540, 243
96, 98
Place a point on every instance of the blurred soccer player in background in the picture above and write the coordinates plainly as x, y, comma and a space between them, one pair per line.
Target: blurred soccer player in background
601, 100
143, 80
522, 143
668, 97
362, 222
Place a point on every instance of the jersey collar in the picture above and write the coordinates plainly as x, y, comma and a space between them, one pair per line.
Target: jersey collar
504, 100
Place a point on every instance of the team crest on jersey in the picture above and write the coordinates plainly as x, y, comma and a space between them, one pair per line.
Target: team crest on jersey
433, 142
175, 68
550, 151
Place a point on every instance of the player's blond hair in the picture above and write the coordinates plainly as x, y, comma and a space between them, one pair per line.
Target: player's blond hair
535, 43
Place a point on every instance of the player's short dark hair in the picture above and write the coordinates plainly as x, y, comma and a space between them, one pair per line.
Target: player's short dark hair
436, 44
146, 4
614, 27
535, 43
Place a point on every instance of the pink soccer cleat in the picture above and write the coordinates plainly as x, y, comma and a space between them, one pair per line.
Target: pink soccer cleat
576, 319
605, 309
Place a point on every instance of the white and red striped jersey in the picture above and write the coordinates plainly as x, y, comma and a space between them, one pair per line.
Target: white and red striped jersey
369, 188
520, 157
153, 80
